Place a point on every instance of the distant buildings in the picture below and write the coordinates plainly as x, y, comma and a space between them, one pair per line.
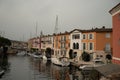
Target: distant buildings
46, 42
115, 12
96, 41
17, 46
34, 43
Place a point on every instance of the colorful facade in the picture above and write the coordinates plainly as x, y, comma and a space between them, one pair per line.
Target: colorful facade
97, 41
61, 44
76, 42
46, 42
115, 12
35, 43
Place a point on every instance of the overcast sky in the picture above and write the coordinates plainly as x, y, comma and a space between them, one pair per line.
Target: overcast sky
18, 17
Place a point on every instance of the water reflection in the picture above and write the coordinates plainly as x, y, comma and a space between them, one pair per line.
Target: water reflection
28, 68
55, 72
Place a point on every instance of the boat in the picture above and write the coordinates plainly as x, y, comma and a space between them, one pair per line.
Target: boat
44, 57
37, 55
22, 53
63, 61
1, 72
96, 63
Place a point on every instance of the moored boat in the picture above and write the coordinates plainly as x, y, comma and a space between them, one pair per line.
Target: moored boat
63, 61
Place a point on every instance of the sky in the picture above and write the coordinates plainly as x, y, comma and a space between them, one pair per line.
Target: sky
19, 18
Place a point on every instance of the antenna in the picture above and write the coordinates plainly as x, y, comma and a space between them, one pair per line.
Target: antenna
56, 25
41, 33
36, 29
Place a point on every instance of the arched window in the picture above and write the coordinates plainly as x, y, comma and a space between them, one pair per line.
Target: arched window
73, 45
77, 45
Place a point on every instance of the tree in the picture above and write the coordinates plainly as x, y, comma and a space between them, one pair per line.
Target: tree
4, 41
85, 56
48, 52
71, 54
109, 58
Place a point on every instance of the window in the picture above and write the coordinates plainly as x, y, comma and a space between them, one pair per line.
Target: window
107, 47
77, 45
84, 46
63, 38
73, 45
62, 45
84, 36
90, 36
101, 55
90, 46
107, 35
119, 41
119, 16
76, 36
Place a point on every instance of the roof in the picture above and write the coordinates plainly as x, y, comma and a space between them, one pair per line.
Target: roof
103, 29
114, 9
65, 33
76, 30
108, 69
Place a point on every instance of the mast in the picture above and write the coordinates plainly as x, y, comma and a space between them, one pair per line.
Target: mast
56, 25
36, 29
56, 31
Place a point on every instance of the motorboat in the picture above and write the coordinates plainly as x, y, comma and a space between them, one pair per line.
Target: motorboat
44, 57
63, 61
22, 53
96, 63
37, 55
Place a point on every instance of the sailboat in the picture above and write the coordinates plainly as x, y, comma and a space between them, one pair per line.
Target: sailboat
61, 61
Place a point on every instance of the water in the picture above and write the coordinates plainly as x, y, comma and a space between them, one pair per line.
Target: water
27, 68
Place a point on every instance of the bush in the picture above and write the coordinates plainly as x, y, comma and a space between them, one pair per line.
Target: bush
48, 52
85, 56
71, 54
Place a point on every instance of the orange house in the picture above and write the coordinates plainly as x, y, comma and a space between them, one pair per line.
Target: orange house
98, 40
61, 44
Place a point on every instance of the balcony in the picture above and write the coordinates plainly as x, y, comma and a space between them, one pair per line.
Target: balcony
62, 41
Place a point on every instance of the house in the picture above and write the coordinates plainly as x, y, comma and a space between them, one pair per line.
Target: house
34, 43
115, 12
46, 42
30, 44
61, 44
97, 41
76, 42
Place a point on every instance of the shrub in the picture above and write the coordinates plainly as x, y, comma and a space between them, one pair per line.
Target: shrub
85, 56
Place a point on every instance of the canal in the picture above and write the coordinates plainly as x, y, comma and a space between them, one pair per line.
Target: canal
28, 68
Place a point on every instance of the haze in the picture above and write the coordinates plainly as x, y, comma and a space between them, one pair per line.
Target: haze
18, 18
